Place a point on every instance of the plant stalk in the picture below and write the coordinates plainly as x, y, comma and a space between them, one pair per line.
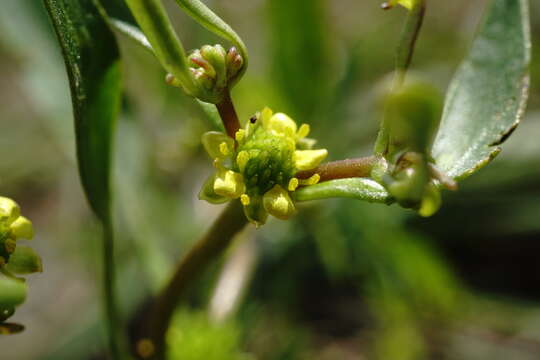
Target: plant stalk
404, 54
341, 169
228, 114
194, 263
109, 286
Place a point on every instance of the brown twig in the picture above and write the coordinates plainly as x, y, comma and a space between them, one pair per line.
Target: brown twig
194, 263
228, 114
340, 169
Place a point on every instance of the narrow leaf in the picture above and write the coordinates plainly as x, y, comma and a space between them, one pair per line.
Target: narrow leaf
301, 62
156, 25
487, 97
355, 188
93, 67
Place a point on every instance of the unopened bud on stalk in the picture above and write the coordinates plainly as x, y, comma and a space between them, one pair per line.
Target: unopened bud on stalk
213, 71
412, 115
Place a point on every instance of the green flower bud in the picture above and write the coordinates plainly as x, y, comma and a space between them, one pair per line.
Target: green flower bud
234, 64
214, 71
13, 226
259, 168
413, 115
412, 185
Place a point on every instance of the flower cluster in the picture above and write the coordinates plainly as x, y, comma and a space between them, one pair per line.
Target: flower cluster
13, 226
213, 71
259, 165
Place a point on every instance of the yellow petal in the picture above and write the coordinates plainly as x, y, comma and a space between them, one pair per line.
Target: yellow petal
408, 4
244, 199
242, 159
312, 180
9, 210
282, 124
303, 131
293, 184
240, 134
22, 228
212, 142
278, 203
207, 192
309, 159
265, 116
224, 148
229, 184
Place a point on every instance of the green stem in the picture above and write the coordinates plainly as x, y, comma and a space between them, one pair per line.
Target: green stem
157, 27
404, 54
194, 263
109, 286
409, 35
355, 188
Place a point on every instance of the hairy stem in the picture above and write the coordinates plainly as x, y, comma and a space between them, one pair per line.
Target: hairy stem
194, 263
404, 55
340, 169
228, 114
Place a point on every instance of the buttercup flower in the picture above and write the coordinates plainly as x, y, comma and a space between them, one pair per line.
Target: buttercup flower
12, 227
259, 165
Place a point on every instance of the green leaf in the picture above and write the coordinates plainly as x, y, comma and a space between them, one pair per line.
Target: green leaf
12, 292
156, 25
93, 67
488, 94
301, 62
121, 20
24, 260
356, 188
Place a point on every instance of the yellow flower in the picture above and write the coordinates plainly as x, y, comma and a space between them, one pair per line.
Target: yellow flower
13, 226
259, 167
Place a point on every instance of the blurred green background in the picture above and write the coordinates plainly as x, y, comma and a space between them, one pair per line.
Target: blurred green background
344, 279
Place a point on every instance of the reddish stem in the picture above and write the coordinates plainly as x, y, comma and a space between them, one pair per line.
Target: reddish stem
340, 169
228, 114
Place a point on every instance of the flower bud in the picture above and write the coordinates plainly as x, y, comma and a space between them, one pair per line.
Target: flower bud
213, 71
234, 63
13, 226
413, 114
